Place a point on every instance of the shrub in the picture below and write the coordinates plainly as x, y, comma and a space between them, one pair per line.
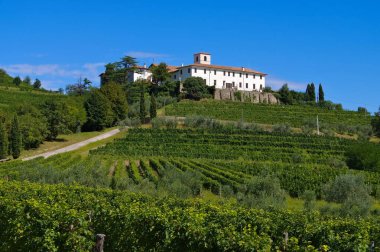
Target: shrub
160, 122
282, 128
364, 156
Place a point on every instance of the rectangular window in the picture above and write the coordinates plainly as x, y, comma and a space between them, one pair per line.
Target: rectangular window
254, 86
261, 77
233, 74
175, 77
229, 73
246, 76
233, 83
181, 71
246, 85
254, 76
214, 72
195, 70
239, 84
214, 82
189, 70
240, 75
224, 73
205, 70
224, 83
261, 87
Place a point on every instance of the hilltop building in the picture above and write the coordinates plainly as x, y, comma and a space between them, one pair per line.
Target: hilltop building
222, 77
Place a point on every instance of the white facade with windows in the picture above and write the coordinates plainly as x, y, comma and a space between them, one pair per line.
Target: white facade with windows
221, 77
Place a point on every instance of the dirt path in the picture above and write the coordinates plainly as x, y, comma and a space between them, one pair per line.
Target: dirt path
75, 146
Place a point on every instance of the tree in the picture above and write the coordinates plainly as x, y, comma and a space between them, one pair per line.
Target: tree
321, 94
153, 106
37, 84
79, 88
17, 81
160, 73
27, 80
3, 141
285, 95
15, 137
195, 88
307, 93
99, 111
116, 95
375, 122
142, 104
57, 117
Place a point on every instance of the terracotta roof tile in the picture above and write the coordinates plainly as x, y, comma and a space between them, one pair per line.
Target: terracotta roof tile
237, 69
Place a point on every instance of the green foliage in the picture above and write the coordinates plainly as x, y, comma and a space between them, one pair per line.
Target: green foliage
352, 192
142, 114
17, 81
364, 156
27, 81
321, 94
116, 95
160, 122
99, 111
153, 107
37, 84
310, 93
309, 198
5, 79
57, 118
15, 138
80, 88
282, 128
3, 140
160, 73
375, 122
195, 88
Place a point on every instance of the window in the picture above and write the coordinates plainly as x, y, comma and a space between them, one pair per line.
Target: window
189, 70
195, 70
224, 83
181, 71
205, 58
233, 74
175, 77
239, 84
229, 73
214, 82
246, 76
254, 76
224, 73
214, 72
205, 70
197, 59
254, 86
261, 86
261, 77
204, 80
246, 85
233, 83
240, 75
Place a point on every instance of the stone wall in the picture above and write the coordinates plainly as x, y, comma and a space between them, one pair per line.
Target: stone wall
246, 96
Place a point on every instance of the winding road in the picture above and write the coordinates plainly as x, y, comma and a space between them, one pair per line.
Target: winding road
74, 146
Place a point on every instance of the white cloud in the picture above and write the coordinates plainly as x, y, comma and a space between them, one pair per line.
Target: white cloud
146, 55
276, 83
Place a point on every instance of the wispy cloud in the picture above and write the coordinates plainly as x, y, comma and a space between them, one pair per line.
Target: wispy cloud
276, 83
54, 76
146, 55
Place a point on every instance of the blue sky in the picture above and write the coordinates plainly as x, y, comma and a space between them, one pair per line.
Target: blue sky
336, 43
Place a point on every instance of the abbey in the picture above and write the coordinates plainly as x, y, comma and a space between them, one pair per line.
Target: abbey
222, 77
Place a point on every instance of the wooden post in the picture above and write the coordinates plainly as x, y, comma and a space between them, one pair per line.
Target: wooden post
99, 243
286, 238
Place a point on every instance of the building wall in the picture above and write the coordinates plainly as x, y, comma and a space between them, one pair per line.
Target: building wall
222, 79
143, 75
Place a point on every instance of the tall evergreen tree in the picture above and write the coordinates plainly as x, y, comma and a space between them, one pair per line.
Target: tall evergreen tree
27, 80
307, 93
99, 111
15, 137
153, 107
142, 105
321, 94
37, 84
17, 81
312, 92
3, 141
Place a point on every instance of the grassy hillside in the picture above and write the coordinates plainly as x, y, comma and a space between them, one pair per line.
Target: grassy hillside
294, 115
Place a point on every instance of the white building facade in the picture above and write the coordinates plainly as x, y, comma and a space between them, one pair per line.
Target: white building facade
239, 78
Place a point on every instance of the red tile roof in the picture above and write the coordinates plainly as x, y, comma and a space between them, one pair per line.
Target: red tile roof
228, 68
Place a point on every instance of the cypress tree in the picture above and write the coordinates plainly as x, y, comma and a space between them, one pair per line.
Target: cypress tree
307, 93
312, 92
3, 141
153, 107
142, 105
321, 94
15, 139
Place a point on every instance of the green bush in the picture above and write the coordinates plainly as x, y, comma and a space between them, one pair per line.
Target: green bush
364, 156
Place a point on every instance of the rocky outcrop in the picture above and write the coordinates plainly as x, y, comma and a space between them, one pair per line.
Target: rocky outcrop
245, 96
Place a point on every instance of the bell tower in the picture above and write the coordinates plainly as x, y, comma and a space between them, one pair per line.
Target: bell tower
202, 58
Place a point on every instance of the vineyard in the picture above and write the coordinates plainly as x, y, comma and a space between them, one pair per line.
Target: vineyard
65, 218
295, 115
